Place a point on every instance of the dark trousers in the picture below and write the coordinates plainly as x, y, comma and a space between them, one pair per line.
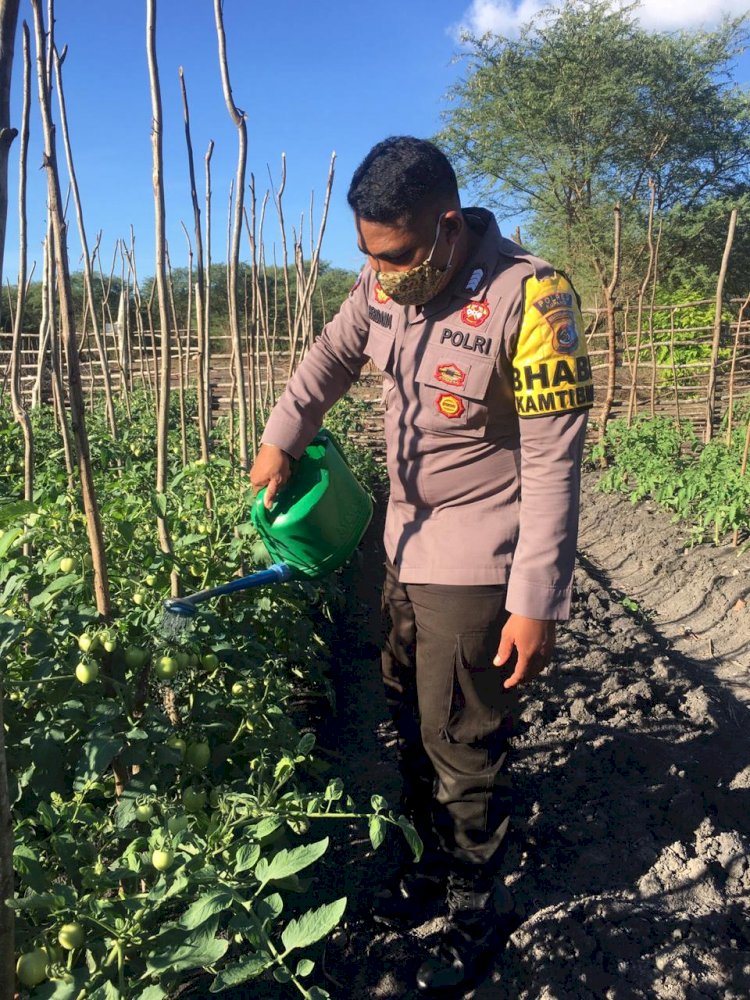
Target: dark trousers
452, 715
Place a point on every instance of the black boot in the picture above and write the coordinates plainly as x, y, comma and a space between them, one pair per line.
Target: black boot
412, 895
481, 919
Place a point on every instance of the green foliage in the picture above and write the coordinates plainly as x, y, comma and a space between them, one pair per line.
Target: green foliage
203, 858
664, 461
581, 110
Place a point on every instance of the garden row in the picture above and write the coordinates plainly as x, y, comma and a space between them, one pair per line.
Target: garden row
168, 803
706, 486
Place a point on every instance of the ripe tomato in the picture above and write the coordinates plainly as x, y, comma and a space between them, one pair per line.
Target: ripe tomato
198, 755
87, 671
193, 799
31, 967
166, 668
71, 936
162, 860
144, 812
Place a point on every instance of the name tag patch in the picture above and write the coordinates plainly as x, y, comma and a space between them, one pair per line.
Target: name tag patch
475, 313
449, 405
469, 341
450, 374
381, 317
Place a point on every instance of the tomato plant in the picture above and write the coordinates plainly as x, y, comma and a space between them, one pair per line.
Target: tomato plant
166, 805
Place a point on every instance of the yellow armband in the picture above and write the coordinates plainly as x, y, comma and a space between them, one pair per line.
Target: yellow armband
551, 367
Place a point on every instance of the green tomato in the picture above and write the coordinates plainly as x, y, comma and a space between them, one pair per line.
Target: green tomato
87, 642
135, 656
166, 668
144, 812
183, 660
193, 799
177, 743
138, 598
176, 824
238, 688
150, 580
162, 860
88, 560
67, 565
198, 755
210, 661
87, 671
31, 968
71, 936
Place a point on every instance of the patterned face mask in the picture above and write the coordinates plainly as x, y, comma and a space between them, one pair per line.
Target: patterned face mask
419, 284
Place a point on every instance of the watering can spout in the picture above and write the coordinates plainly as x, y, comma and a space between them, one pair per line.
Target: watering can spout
186, 607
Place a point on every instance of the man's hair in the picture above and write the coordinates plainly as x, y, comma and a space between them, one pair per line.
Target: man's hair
398, 177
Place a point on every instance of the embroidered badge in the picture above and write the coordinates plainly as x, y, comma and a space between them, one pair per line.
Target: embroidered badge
450, 374
475, 280
380, 295
449, 405
564, 332
475, 313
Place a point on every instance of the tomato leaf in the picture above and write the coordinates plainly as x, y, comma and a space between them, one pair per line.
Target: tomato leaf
247, 857
67, 989
152, 993
206, 907
8, 538
313, 925
412, 837
198, 950
377, 831
96, 757
241, 971
289, 862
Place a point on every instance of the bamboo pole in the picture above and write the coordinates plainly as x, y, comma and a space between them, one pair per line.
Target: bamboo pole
162, 452
609, 292
58, 60
8, 22
733, 368
207, 292
91, 508
711, 390
204, 402
239, 120
180, 370
641, 296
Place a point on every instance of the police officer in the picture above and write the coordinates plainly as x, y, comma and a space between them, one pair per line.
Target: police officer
486, 386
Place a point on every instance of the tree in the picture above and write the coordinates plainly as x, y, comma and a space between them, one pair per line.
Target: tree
578, 113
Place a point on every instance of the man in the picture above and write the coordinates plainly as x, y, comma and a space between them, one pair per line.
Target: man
486, 385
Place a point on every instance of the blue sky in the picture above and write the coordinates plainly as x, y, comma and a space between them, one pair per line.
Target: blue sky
313, 78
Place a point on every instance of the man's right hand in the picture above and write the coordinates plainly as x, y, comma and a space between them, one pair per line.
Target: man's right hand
271, 469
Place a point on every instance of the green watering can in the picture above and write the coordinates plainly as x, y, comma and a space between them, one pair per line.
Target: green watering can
313, 527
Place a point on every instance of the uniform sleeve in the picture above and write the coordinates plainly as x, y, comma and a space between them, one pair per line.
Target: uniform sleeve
333, 363
553, 391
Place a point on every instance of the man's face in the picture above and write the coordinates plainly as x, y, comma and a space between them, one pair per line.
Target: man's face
396, 247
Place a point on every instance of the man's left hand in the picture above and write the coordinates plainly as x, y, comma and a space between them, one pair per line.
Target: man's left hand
533, 641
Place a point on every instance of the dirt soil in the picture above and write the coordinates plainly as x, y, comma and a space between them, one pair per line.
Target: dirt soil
629, 855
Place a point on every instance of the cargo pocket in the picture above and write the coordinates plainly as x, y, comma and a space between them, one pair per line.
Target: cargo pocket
453, 389
379, 348
481, 711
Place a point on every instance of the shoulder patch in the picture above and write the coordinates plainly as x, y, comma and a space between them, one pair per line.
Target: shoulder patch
357, 283
551, 368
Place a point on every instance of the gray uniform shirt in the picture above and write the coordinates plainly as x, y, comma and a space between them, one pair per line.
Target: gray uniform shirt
486, 389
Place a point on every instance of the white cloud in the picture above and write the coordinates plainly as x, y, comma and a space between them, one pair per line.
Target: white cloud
505, 17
